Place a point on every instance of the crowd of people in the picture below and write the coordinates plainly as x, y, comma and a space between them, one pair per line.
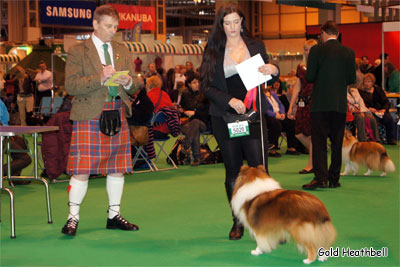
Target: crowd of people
330, 84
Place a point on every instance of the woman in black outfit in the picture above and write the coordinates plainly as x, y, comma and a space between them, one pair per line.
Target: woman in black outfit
229, 44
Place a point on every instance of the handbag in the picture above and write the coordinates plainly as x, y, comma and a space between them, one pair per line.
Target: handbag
110, 122
139, 135
250, 116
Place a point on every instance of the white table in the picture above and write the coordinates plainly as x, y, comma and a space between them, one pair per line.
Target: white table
6, 132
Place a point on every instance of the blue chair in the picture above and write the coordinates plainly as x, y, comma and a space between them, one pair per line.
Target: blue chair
160, 141
45, 106
56, 105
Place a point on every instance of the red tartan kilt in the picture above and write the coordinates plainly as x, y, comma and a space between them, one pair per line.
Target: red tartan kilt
92, 152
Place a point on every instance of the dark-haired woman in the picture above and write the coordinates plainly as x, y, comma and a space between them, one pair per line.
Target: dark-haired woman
195, 106
229, 44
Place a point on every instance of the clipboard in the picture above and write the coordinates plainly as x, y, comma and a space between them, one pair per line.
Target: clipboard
117, 74
248, 72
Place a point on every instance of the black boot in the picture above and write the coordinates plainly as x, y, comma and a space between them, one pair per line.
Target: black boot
237, 229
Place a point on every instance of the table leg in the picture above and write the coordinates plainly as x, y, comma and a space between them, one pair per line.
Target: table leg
10, 193
35, 175
12, 214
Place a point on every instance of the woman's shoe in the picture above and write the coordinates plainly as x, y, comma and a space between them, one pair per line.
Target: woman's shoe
274, 154
304, 171
236, 232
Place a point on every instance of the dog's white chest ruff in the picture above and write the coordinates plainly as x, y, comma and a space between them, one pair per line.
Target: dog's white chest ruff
251, 190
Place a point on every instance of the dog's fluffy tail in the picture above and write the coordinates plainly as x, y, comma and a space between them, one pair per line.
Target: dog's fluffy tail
387, 164
314, 236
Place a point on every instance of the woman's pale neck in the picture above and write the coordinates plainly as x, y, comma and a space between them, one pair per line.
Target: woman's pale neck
234, 41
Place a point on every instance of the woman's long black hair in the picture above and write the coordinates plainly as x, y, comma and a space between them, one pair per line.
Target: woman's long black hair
216, 43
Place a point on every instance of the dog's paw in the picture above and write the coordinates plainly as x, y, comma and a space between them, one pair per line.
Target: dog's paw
322, 258
307, 261
343, 173
383, 174
367, 173
256, 252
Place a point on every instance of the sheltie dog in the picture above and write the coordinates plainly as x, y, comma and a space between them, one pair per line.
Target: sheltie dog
272, 214
371, 154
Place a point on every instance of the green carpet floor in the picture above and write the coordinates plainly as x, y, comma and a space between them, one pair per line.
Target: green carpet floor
184, 220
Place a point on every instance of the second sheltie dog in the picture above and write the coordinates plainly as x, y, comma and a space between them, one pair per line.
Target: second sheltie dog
371, 154
272, 214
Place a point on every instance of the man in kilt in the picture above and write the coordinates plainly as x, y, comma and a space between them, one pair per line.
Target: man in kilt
89, 65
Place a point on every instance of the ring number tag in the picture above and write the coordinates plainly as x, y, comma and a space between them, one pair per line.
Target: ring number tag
301, 104
240, 128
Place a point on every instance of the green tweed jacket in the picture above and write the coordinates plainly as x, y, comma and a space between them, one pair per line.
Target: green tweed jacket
82, 79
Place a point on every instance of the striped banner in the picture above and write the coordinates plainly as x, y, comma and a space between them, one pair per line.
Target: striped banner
164, 48
5, 58
137, 47
192, 49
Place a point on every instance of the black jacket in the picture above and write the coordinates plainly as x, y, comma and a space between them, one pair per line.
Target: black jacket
218, 91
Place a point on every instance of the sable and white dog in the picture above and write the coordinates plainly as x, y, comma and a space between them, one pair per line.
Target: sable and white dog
371, 154
272, 214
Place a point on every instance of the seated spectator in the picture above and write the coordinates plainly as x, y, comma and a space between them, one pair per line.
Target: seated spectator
19, 160
361, 113
277, 122
195, 106
393, 77
365, 67
376, 101
142, 108
179, 77
160, 101
189, 69
142, 111
151, 71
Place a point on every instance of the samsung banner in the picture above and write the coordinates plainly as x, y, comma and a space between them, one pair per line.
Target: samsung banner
130, 15
79, 13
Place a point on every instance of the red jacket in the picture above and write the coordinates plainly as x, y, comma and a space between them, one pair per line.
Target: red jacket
55, 145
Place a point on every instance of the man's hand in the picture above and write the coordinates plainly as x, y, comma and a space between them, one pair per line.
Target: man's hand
106, 73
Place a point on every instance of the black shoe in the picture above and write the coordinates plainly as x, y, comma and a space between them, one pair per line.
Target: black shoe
392, 142
315, 184
236, 232
121, 223
304, 171
196, 162
274, 154
70, 227
292, 152
334, 184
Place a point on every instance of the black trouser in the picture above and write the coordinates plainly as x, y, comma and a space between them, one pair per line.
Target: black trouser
20, 160
40, 95
234, 150
323, 125
275, 127
388, 122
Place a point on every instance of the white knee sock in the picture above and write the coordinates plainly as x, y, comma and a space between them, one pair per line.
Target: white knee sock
77, 191
115, 186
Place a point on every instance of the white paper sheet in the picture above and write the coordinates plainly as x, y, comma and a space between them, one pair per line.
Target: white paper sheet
248, 72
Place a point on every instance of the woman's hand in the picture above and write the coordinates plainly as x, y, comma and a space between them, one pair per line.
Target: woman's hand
268, 69
189, 113
290, 114
237, 105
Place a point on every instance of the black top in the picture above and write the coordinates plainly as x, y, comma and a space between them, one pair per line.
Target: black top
376, 100
331, 67
142, 109
219, 92
192, 100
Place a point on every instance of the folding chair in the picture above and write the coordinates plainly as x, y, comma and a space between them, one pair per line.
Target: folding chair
159, 118
45, 106
56, 105
141, 154
206, 136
